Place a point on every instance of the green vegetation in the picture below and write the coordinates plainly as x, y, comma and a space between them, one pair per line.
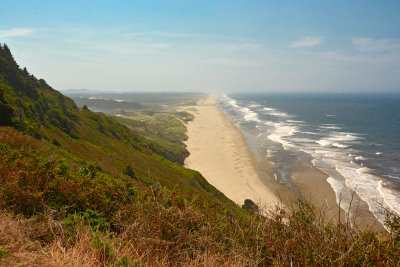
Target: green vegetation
164, 129
28, 103
128, 171
158, 119
105, 104
88, 138
133, 99
79, 188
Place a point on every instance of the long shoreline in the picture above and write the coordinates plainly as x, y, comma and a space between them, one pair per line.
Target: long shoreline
219, 151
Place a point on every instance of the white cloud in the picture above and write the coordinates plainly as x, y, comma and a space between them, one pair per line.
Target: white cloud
129, 48
375, 46
306, 42
16, 32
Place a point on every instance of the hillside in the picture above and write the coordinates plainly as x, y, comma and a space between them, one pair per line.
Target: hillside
157, 117
78, 188
33, 107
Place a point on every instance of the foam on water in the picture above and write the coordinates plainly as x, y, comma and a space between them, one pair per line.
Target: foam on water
233, 103
275, 112
338, 187
335, 160
366, 185
344, 136
254, 106
359, 158
310, 133
324, 142
328, 146
279, 114
269, 123
364, 170
249, 115
294, 121
328, 143
339, 145
281, 131
339, 139
331, 127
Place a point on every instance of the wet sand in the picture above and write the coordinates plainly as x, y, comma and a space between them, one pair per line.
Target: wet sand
313, 187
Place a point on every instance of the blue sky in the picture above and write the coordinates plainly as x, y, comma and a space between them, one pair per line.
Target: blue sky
216, 46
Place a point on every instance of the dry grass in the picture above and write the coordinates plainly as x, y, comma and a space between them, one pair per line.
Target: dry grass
19, 238
164, 228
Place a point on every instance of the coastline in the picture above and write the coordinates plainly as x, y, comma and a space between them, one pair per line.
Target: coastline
219, 151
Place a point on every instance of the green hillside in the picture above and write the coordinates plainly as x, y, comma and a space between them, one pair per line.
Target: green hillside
79, 135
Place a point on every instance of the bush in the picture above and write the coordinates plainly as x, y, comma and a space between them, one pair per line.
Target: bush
104, 248
129, 171
91, 218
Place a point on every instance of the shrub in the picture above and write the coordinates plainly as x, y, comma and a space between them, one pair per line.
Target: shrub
104, 248
129, 171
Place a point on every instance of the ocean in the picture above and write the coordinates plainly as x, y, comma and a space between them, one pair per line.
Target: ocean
353, 138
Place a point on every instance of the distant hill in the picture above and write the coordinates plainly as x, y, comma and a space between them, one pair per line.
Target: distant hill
78, 91
103, 104
144, 98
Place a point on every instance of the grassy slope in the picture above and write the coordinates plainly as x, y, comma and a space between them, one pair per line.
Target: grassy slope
163, 128
33, 107
158, 119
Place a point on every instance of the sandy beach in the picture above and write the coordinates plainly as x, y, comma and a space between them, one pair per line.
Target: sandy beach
313, 187
218, 150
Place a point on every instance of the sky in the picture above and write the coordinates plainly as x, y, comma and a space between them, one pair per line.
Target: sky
213, 46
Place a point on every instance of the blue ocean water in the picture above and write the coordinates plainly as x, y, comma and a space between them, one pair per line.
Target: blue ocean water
354, 138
